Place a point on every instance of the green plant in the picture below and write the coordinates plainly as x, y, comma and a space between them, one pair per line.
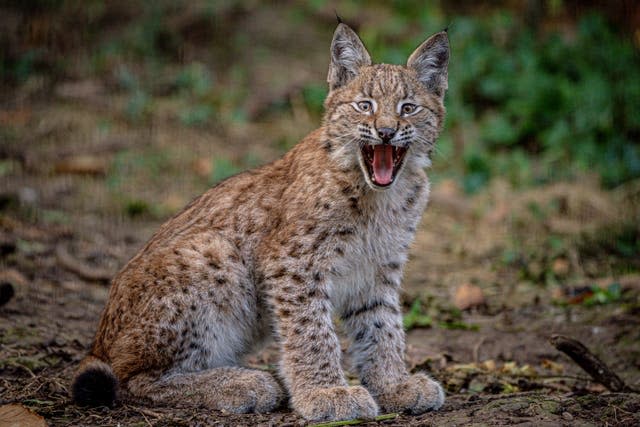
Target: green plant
314, 95
415, 318
199, 114
611, 293
135, 208
195, 79
573, 104
222, 169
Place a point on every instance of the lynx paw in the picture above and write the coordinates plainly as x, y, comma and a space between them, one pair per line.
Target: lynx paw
335, 403
417, 394
253, 391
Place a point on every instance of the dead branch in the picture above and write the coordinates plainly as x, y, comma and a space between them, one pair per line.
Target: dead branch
589, 362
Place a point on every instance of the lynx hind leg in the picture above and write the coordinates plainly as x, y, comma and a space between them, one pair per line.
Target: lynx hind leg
190, 333
231, 389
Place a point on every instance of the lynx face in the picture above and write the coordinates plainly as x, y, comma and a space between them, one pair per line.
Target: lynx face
385, 117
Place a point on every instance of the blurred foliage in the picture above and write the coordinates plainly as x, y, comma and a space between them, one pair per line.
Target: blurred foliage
222, 168
611, 293
576, 104
621, 243
425, 313
526, 103
573, 103
415, 318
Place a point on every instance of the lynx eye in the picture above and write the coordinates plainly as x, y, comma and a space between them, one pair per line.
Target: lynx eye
408, 109
364, 106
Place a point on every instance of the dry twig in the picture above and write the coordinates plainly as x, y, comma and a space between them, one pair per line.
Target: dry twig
589, 362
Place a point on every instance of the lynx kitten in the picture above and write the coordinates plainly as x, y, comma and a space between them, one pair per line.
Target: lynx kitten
282, 250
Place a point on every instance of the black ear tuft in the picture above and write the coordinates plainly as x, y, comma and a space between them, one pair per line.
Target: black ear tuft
340, 21
430, 61
95, 387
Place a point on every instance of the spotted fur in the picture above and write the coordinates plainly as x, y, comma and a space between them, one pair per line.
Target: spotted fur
281, 251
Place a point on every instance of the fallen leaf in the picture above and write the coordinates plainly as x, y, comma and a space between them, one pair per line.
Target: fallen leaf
476, 385
554, 367
468, 296
15, 415
489, 365
528, 371
512, 368
464, 367
18, 117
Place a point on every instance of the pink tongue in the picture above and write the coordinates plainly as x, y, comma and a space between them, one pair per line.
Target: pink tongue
382, 164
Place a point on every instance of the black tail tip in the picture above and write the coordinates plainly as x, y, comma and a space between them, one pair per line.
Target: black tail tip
95, 387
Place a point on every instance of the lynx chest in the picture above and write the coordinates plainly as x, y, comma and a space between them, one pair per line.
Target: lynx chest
381, 243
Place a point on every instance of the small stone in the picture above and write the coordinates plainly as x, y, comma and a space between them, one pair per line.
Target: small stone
468, 296
560, 267
567, 416
28, 196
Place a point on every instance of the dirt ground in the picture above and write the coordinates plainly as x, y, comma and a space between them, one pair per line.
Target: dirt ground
62, 236
83, 185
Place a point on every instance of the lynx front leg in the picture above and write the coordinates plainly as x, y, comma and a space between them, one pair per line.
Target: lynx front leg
311, 354
375, 328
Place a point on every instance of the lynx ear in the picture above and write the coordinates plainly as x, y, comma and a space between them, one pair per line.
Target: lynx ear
430, 60
348, 54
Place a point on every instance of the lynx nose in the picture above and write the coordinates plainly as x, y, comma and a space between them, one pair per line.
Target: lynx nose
386, 134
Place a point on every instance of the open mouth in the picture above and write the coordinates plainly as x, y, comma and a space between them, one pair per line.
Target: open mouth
383, 161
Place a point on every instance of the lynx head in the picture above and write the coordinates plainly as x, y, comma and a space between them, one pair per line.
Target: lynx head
384, 118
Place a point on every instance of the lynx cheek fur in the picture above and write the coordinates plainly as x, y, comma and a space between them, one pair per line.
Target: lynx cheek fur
279, 251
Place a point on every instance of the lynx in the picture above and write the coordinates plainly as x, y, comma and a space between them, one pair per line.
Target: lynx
282, 251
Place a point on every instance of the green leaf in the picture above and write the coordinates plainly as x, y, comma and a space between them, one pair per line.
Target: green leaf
415, 318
